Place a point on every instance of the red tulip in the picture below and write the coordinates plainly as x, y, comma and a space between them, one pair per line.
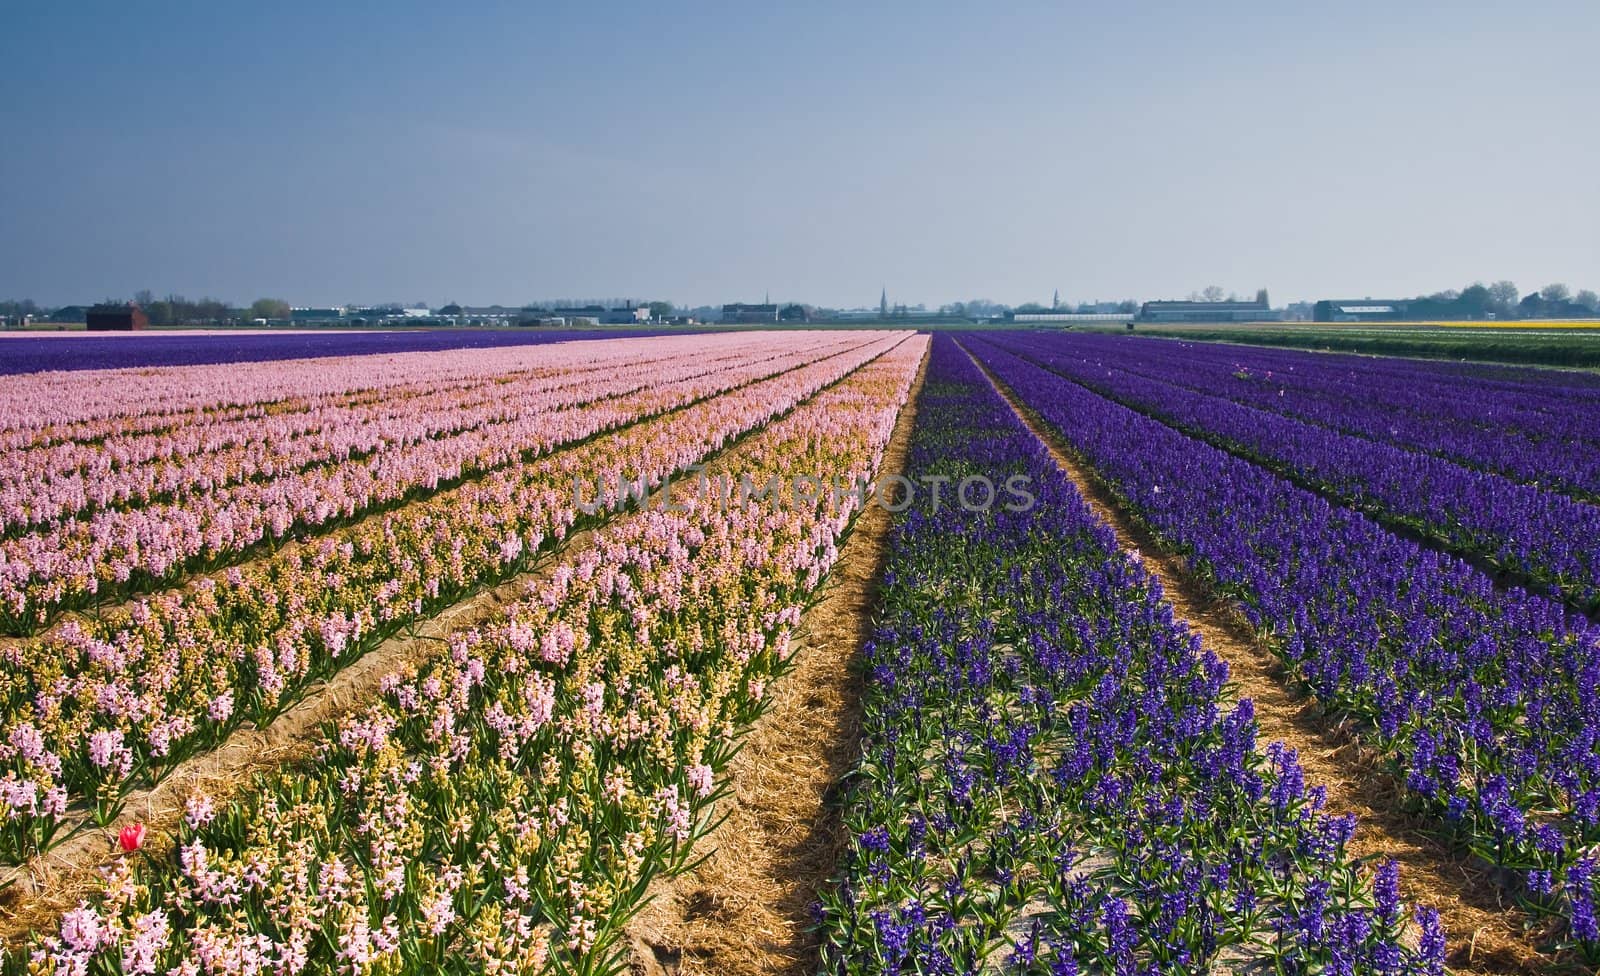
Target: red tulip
131, 838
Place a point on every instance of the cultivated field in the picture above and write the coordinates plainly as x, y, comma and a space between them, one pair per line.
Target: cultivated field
1542, 343
798, 651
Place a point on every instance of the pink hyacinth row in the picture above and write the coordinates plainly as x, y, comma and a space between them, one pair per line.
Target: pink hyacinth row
503, 808
96, 707
119, 550
208, 450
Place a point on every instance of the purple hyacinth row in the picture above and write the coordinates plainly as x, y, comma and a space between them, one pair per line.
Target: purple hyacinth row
1049, 780
47, 351
1487, 703
1544, 537
1541, 427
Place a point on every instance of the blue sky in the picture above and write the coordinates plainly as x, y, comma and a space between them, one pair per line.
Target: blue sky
717, 152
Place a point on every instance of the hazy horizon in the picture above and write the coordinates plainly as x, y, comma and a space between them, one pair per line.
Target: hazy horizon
723, 152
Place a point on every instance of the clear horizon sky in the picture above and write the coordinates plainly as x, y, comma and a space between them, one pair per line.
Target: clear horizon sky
711, 152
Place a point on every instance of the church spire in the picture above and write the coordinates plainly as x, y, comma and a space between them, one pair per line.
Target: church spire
883, 304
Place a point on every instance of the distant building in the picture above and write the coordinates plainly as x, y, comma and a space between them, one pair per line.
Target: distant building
316, 314
576, 314
1298, 311
487, 314
740, 312
1360, 310
1068, 317
1256, 311
125, 318
628, 314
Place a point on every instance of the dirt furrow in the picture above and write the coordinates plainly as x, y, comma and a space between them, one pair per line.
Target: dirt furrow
746, 910
1487, 933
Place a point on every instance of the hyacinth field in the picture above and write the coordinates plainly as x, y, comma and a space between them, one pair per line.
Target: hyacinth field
586, 570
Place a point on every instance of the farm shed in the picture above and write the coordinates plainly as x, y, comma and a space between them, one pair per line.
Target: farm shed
1359, 310
1257, 311
116, 319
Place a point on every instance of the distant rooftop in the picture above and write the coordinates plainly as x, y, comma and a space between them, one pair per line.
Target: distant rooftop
1207, 306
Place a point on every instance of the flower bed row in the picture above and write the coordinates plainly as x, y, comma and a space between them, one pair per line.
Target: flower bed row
126, 551
45, 485
1542, 536
91, 711
33, 410
1049, 781
1485, 702
1540, 428
503, 809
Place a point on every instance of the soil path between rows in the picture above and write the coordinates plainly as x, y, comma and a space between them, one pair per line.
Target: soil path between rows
746, 909
1487, 934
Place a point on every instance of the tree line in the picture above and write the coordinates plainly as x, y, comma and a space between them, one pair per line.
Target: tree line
1477, 301
171, 310
1502, 300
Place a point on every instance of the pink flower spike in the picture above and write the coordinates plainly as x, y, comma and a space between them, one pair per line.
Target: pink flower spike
131, 838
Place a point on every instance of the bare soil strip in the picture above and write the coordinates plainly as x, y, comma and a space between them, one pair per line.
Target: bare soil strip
746, 909
1487, 933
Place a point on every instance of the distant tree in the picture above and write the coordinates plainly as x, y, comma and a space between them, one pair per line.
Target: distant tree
210, 310
1587, 299
451, 310
1475, 301
1027, 307
1261, 297
661, 310
1213, 293
1555, 293
983, 307
269, 308
1128, 306
163, 310
1504, 296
